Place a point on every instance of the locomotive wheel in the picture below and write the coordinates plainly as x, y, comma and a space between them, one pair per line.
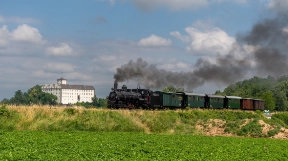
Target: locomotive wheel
131, 106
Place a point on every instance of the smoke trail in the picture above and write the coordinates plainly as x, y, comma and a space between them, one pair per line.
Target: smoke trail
269, 38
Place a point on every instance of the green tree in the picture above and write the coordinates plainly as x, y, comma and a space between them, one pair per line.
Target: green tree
269, 100
99, 102
281, 93
35, 95
172, 89
281, 101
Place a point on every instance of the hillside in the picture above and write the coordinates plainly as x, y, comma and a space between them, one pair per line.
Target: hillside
203, 122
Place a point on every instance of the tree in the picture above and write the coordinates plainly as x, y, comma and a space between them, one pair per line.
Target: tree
99, 102
281, 93
269, 100
172, 89
281, 101
35, 95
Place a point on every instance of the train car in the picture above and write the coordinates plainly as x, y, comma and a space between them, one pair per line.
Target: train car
232, 102
194, 100
163, 99
215, 101
258, 104
147, 99
246, 104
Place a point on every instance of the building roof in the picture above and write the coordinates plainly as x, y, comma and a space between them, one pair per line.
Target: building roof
79, 87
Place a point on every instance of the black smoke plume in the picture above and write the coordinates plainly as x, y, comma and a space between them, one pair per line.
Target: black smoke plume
269, 39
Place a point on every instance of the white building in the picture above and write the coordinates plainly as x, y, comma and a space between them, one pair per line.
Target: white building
69, 94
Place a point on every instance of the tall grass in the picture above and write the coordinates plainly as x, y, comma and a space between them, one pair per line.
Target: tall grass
46, 118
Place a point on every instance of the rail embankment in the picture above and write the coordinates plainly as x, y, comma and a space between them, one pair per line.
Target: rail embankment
188, 121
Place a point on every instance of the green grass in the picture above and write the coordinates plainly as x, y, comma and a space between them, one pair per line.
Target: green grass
37, 145
148, 121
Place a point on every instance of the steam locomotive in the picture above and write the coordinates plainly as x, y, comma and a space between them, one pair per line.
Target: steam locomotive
129, 98
148, 99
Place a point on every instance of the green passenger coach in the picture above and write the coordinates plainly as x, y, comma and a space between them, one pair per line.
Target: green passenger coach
232, 102
215, 101
167, 99
194, 100
172, 99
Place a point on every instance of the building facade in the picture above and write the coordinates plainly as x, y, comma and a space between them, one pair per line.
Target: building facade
69, 94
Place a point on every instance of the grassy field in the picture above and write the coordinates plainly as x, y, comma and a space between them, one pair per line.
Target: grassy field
195, 121
37, 145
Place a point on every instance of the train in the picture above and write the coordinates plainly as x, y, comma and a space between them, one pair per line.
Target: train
147, 99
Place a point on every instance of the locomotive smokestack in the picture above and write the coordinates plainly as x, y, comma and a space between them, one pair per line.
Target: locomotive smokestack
115, 85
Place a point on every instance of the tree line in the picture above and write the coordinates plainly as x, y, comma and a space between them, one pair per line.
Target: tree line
274, 91
35, 96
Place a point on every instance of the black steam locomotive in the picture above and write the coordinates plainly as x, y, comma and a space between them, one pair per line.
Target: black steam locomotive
147, 99
129, 98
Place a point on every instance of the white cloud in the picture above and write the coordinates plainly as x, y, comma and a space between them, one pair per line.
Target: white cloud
63, 49
154, 41
23, 33
171, 4
210, 41
27, 33
4, 36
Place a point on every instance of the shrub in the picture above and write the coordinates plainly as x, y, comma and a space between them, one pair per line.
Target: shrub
71, 111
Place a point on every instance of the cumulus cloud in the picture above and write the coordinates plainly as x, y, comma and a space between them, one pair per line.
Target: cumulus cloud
210, 41
154, 41
27, 33
63, 49
23, 33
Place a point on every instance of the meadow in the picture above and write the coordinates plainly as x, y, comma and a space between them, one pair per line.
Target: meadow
191, 121
51, 145
57, 133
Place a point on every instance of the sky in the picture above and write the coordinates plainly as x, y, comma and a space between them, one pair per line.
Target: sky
85, 41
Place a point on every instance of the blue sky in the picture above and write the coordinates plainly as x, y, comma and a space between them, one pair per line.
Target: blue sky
86, 40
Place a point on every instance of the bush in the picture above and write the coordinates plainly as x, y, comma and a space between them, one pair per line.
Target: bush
253, 128
71, 111
4, 112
